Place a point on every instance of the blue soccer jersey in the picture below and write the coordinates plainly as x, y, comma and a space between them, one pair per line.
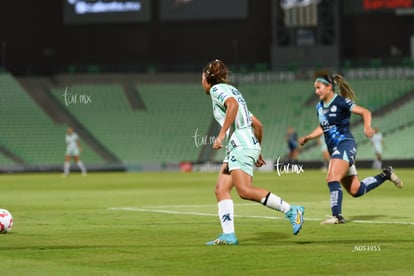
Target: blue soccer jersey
334, 118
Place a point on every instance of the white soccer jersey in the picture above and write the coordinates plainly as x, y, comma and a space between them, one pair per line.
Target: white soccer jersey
240, 133
71, 141
376, 141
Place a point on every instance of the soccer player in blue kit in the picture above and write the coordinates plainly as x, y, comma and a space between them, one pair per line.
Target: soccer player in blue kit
243, 151
334, 113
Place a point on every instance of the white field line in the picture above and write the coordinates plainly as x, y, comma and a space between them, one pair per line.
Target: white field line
162, 211
182, 213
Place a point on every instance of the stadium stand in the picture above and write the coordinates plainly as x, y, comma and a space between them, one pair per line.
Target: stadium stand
163, 131
5, 161
397, 126
279, 105
183, 121
27, 132
170, 121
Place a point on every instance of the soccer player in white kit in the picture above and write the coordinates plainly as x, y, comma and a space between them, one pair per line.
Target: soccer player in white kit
377, 144
244, 134
73, 149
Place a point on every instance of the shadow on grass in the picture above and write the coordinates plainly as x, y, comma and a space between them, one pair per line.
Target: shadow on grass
373, 217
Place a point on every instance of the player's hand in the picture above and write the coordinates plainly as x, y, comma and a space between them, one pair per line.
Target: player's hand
302, 140
260, 162
369, 132
217, 144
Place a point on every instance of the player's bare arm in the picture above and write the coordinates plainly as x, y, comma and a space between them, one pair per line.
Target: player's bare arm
258, 132
366, 116
313, 135
257, 128
232, 108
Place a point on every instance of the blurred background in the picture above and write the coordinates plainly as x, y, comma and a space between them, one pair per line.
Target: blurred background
126, 76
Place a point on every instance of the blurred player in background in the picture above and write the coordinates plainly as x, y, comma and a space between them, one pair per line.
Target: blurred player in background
293, 145
334, 113
325, 153
377, 143
244, 134
73, 149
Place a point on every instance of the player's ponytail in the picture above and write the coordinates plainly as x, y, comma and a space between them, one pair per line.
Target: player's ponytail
345, 89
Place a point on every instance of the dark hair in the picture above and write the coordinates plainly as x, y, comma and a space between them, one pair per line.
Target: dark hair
345, 89
216, 72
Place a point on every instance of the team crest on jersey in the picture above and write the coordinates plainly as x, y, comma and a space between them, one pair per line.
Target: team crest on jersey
334, 108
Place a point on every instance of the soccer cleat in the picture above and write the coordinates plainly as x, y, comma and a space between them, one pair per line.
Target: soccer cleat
295, 216
224, 239
338, 219
389, 174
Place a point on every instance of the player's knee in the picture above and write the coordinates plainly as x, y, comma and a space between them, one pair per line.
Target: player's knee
244, 196
221, 193
218, 192
332, 179
355, 194
244, 193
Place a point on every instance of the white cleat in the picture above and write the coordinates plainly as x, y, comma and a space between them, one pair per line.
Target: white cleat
391, 176
338, 219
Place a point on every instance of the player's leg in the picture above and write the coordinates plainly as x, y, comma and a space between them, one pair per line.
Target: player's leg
225, 203
296, 155
80, 164
66, 165
342, 157
225, 207
390, 175
336, 171
358, 188
379, 160
351, 181
241, 167
377, 164
326, 158
246, 190
292, 154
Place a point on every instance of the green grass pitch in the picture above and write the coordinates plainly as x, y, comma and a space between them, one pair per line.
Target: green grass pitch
158, 223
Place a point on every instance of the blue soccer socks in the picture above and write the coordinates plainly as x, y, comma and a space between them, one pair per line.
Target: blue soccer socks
336, 197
